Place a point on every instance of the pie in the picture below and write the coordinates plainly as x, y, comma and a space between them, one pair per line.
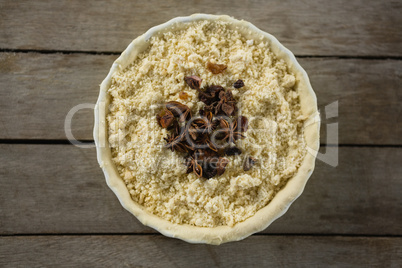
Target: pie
220, 75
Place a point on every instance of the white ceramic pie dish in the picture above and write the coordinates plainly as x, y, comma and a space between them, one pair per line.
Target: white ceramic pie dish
265, 216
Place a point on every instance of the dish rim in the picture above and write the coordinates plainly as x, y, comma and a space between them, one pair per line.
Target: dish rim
264, 216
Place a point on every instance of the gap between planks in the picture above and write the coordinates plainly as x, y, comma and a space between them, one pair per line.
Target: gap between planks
159, 234
306, 27
117, 53
91, 142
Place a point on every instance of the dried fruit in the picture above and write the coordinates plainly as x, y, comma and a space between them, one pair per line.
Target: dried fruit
193, 81
228, 109
210, 95
242, 123
249, 162
232, 151
165, 118
216, 68
209, 170
214, 90
226, 104
238, 84
183, 95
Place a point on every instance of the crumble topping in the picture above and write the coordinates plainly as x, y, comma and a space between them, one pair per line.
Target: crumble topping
266, 94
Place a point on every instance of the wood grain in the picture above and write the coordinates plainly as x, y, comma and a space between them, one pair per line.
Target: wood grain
306, 27
159, 251
38, 90
56, 189
55, 207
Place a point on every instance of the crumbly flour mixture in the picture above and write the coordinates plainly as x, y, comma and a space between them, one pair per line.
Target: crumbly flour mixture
155, 176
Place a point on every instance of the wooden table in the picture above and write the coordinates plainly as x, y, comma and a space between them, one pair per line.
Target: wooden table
55, 207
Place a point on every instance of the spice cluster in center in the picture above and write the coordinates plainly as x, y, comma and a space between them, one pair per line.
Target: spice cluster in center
206, 139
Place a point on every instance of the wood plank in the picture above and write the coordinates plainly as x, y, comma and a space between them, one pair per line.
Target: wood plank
159, 251
38, 90
60, 189
306, 27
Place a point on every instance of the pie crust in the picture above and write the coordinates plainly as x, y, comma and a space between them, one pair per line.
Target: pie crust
263, 217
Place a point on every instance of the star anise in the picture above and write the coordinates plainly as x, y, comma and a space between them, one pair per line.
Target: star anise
177, 130
193, 166
200, 128
193, 131
211, 145
200, 124
231, 131
209, 124
211, 107
179, 110
212, 164
205, 154
200, 140
248, 163
201, 163
208, 159
206, 163
165, 118
176, 143
216, 68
